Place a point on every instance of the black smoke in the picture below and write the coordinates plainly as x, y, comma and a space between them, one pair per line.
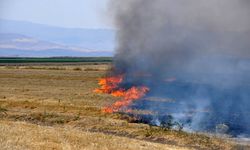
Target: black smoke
204, 44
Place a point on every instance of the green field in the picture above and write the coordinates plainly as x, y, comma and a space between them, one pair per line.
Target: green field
54, 59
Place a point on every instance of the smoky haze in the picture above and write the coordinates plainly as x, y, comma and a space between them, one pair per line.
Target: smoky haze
204, 44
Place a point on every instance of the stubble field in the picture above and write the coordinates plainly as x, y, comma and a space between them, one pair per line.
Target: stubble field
54, 107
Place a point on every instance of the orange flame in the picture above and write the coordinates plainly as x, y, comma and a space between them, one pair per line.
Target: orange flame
110, 85
132, 94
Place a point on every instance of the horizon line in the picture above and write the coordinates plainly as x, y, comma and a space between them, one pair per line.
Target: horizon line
56, 26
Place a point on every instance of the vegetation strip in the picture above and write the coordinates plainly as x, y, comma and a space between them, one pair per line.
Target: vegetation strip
54, 59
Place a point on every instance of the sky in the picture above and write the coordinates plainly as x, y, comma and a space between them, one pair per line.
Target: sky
63, 13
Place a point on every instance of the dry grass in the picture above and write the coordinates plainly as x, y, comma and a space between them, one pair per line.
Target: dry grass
20, 135
44, 108
3, 110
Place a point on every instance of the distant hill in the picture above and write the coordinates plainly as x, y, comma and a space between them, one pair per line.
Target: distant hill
22, 45
55, 40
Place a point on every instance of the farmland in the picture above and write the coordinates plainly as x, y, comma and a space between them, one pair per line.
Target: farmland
7, 60
52, 106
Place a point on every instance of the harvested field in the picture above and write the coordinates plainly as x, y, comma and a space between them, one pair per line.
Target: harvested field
54, 107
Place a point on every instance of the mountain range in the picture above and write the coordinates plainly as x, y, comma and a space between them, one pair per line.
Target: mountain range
21, 38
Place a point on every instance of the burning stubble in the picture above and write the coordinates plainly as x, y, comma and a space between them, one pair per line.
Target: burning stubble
196, 52
110, 85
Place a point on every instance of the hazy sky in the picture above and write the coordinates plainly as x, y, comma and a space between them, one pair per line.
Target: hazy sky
65, 13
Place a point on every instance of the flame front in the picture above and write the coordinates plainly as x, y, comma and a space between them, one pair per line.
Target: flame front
110, 85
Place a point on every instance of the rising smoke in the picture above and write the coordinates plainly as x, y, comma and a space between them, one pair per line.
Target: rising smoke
204, 44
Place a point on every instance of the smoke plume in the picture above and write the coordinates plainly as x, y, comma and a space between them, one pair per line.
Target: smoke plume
196, 52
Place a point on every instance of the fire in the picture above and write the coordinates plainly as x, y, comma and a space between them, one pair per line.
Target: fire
132, 94
118, 93
110, 85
